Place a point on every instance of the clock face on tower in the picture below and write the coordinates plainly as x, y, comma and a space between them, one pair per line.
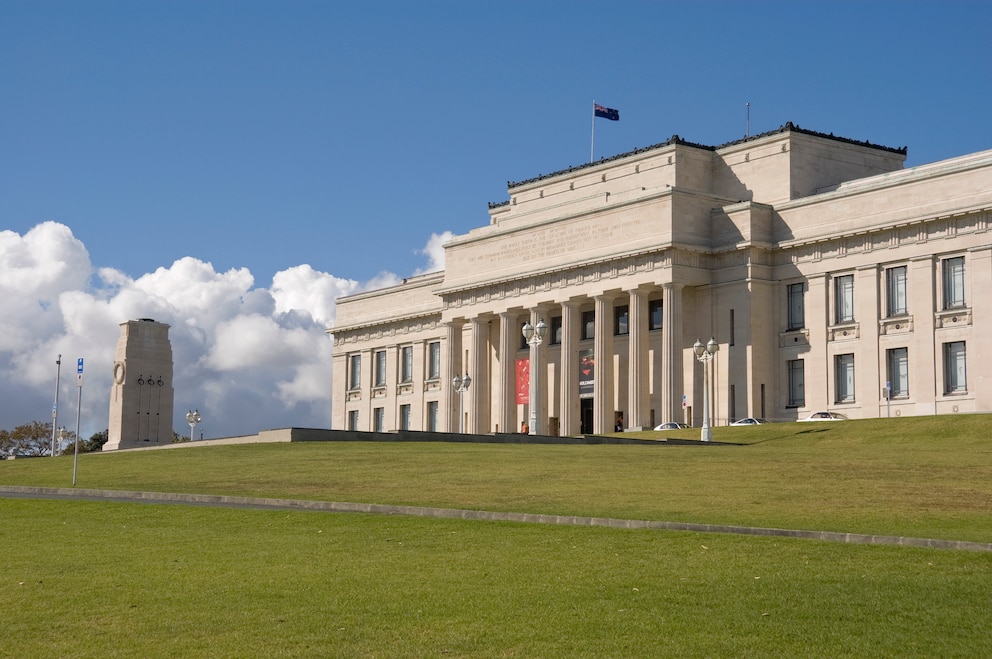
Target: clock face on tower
119, 372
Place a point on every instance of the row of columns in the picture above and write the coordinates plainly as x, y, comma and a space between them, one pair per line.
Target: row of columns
486, 408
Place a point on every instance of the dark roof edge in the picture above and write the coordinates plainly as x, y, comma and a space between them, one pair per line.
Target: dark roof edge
675, 139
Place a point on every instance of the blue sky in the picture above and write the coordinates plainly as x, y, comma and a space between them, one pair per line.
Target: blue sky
266, 136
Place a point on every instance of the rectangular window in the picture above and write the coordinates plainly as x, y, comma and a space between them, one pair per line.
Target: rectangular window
379, 419
955, 372
523, 339
895, 291
434, 360
797, 307
406, 364
352, 419
556, 330
797, 383
355, 372
621, 320
432, 408
898, 371
380, 368
953, 282
656, 314
844, 299
404, 417
731, 341
732, 410
844, 378
588, 324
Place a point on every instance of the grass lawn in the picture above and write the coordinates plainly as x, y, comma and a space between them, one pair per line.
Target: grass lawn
100, 579
88, 579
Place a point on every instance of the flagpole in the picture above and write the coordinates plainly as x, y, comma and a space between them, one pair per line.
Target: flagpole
592, 142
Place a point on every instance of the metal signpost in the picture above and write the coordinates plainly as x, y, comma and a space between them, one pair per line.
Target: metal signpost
79, 402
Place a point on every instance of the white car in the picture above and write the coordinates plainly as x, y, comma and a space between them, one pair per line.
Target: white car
749, 421
671, 425
824, 416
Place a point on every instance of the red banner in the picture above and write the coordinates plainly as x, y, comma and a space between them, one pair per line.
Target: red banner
523, 381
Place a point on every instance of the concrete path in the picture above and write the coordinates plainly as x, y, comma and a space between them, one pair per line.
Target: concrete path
14, 491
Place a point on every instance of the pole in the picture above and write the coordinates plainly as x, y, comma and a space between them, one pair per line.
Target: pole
75, 455
592, 142
747, 131
707, 433
55, 407
534, 383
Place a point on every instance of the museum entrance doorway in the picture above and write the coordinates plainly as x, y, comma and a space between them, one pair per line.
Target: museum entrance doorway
585, 415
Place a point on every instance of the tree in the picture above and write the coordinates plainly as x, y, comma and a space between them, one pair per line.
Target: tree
95, 442
29, 439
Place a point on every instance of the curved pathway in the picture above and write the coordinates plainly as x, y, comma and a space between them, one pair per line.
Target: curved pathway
15, 491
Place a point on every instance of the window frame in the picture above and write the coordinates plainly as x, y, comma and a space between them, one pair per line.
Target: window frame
796, 306
354, 371
379, 377
406, 364
896, 288
844, 384
844, 299
588, 325
952, 271
796, 376
656, 307
897, 371
955, 363
434, 360
621, 320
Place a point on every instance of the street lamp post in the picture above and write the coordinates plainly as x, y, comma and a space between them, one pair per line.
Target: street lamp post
705, 355
461, 385
534, 337
192, 418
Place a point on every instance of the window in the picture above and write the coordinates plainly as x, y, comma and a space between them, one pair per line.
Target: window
731, 341
379, 419
523, 339
655, 314
898, 371
406, 364
955, 373
434, 360
432, 409
380, 368
352, 419
844, 299
404, 417
895, 291
953, 282
355, 372
844, 378
797, 307
556, 330
797, 383
621, 320
588, 324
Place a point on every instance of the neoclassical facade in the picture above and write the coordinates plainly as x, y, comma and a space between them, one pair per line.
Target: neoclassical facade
831, 277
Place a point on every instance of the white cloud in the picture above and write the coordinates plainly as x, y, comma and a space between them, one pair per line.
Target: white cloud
248, 358
434, 251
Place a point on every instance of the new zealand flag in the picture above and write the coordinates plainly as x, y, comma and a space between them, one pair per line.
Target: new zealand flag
607, 113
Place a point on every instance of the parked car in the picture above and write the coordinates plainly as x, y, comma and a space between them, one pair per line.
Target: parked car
824, 416
749, 421
671, 425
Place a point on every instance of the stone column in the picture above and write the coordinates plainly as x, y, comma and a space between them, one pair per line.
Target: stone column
638, 405
570, 321
477, 397
452, 367
602, 421
672, 383
506, 406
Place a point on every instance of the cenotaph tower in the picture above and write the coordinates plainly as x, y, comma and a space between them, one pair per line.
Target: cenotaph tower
141, 396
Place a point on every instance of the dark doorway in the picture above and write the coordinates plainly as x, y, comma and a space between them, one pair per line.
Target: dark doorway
585, 415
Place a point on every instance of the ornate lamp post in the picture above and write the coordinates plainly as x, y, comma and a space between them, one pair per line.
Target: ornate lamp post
534, 337
461, 385
705, 355
192, 418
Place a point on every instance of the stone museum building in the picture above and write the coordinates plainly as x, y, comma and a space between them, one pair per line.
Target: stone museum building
829, 277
